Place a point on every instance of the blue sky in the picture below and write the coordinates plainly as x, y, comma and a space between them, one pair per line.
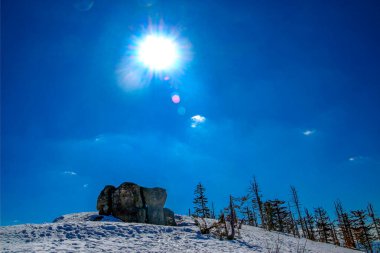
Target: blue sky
289, 93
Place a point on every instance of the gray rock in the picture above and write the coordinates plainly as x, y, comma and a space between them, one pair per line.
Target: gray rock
104, 204
169, 217
131, 203
127, 203
154, 202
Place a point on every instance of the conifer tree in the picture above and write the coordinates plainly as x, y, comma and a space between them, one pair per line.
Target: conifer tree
257, 202
276, 215
200, 202
249, 215
362, 231
323, 225
344, 224
309, 222
269, 216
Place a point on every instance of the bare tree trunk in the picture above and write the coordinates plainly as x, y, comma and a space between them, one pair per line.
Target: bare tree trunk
255, 189
231, 236
371, 214
297, 203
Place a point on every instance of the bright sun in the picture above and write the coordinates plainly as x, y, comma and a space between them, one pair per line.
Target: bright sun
158, 52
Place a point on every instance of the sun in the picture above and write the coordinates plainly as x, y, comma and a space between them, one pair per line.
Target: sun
158, 52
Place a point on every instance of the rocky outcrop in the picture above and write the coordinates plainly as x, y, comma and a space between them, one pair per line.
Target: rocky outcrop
154, 201
132, 203
104, 204
127, 203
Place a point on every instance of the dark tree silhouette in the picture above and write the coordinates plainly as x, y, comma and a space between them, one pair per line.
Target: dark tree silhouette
309, 225
200, 202
344, 224
297, 205
323, 225
375, 221
276, 215
257, 202
362, 231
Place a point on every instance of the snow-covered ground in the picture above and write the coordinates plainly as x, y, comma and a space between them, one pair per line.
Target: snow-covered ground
77, 233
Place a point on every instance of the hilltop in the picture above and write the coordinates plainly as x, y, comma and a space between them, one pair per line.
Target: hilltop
80, 233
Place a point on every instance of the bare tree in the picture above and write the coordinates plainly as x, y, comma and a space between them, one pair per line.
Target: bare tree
344, 224
375, 221
362, 231
297, 205
323, 225
257, 201
309, 225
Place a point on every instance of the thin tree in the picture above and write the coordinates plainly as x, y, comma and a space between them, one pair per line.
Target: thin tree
297, 205
362, 231
232, 219
212, 211
333, 233
375, 221
309, 222
257, 201
345, 226
200, 202
323, 225
269, 216
291, 224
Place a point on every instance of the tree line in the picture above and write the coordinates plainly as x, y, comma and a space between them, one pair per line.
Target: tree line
356, 229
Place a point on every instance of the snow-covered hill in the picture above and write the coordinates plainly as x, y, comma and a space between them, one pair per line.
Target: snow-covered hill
79, 233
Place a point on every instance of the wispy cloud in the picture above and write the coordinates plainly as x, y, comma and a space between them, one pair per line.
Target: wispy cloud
357, 158
85, 185
197, 120
309, 132
71, 173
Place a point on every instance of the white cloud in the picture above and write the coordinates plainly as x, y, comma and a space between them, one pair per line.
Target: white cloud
71, 173
85, 185
196, 120
357, 158
308, 132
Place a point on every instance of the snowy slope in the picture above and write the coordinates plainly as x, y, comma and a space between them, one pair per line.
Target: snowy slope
77, 233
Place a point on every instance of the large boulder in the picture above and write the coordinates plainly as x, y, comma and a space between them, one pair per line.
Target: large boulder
127, 203
154, 201
131, 203
104, 204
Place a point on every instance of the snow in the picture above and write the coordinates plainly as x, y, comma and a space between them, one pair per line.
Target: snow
80, 233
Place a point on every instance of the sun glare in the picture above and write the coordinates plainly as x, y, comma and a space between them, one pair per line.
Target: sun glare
158, 52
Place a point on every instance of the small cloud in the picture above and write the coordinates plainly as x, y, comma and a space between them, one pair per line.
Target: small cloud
99, 138
15, 221
71, 173
196, 120
85, 185
309, 132
357, 158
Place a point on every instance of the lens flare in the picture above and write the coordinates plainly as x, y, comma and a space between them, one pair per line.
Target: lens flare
176, 99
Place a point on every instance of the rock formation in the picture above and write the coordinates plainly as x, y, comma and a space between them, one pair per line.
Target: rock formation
104, 204
132, 203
